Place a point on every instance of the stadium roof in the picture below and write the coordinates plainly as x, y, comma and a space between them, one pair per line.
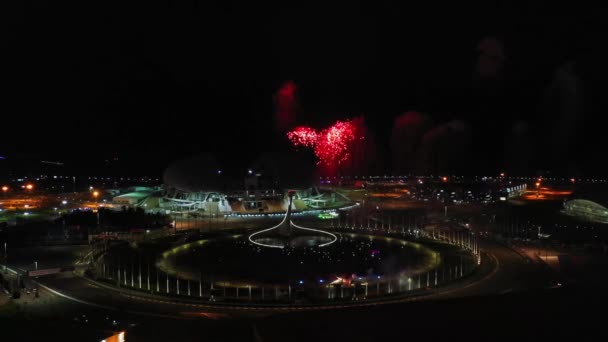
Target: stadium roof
137, 194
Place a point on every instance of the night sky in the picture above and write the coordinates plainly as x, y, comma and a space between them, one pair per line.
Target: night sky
500, 87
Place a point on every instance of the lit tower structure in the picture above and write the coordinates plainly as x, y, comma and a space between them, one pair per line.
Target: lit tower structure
288, 234
284, 228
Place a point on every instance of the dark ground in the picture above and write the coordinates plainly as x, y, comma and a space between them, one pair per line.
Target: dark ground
557, 314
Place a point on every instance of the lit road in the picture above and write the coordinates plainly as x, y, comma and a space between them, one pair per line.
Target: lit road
507, 272
52, 314
481, 304
504, 273
70, 297
512, 273
478, 316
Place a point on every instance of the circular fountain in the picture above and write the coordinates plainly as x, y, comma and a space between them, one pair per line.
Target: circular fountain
288, 262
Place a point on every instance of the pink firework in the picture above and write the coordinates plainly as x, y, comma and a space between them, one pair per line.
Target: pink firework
303, 136
331, 145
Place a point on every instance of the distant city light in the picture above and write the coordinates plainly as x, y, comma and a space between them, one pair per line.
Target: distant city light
29, 186
5, 188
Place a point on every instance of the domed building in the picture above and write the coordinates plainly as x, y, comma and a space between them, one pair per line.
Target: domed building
194, 184
590, 205
199, 184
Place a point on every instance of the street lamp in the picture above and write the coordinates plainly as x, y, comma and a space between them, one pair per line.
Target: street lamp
4, 188
29, 186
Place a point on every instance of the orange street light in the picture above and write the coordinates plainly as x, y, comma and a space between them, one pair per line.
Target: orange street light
444, 178
29, 186
5, 188
537, 184
95, 193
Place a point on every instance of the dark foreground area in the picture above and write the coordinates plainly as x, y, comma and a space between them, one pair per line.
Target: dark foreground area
552, 314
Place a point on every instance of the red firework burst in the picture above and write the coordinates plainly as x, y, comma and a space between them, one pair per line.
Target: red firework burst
303, 136
331, 145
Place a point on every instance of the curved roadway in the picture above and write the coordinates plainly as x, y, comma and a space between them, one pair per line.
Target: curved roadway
503, 271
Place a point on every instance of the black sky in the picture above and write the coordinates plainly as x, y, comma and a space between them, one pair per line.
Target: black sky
151, 83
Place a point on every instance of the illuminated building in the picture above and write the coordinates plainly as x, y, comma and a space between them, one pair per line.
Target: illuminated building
506, 192
198, 185
587, 210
